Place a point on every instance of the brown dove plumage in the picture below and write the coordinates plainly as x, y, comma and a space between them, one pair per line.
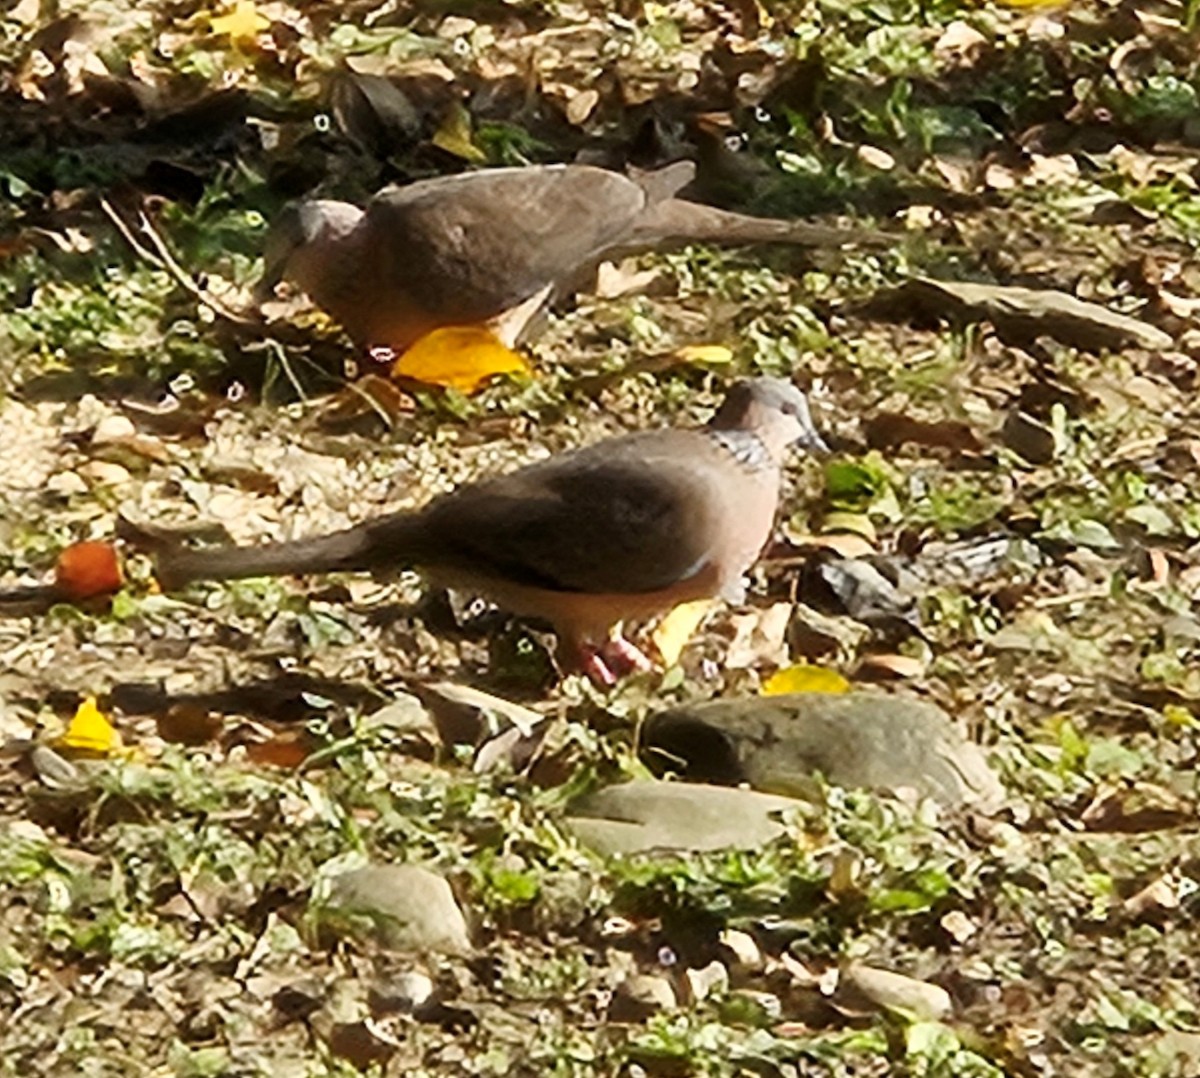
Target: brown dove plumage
619, 531
488, 248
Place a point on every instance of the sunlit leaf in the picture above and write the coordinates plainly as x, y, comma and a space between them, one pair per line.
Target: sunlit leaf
863, 485
841, 520
458, 357
1182, 717
286, 751
454, 135
848, 480
805, 678
890, 666
242, 25
705, 355
677, 627
90, 731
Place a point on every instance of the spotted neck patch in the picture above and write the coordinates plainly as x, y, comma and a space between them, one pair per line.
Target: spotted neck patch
746, 447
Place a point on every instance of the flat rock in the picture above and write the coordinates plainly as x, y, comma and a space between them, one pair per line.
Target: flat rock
638, 817
401, 907
777, 744
1021, 315
863, 988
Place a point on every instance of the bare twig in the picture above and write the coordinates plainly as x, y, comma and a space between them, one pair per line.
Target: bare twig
159, 254
280, 356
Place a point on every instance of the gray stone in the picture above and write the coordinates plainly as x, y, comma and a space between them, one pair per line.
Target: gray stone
401, 907
638, 817
1022, 314
857, 739
867, 987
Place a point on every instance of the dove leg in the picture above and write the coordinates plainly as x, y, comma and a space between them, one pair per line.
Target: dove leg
622, 657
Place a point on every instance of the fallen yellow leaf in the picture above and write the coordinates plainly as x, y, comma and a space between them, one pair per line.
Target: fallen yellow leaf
459, 357
676, 627
839, 520
89, 731
1175, 715
454, 135
805, 678
242, 25
711, 355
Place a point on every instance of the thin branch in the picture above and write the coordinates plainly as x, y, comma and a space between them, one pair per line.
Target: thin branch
159, 255
281, 357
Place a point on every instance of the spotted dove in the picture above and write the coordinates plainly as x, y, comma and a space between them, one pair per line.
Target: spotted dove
619, 531
489, 248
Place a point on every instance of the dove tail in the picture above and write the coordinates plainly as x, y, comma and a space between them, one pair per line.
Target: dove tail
390, 542
679, 221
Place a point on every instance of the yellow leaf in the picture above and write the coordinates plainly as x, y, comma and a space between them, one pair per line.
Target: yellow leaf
89, 731
459, 357
242, 25
839, 520
805, 678
454, 135
711, 355
676, 627
1179, 716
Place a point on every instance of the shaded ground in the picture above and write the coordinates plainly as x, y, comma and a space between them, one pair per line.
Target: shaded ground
1039, 519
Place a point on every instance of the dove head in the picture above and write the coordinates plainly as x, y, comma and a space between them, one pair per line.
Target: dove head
302, 244
772, 408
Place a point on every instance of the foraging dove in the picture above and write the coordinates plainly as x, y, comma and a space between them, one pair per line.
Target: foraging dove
618, 531
489, 248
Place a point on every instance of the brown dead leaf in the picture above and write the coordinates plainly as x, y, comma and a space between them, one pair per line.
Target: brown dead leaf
1158, 568
759, 637
887, 667
888, 430
1052, 170
1159, 896
189, 724
1136, 807
105, 473
960, 44
119, 430
959, 176
371, 399
285, 751
848, 544
623, 278
173, 418
372, 111
582, 105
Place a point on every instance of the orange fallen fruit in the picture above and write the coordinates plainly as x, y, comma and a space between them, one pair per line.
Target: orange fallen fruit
87, 570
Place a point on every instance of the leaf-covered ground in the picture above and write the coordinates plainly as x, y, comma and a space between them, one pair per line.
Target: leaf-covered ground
1025, 483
